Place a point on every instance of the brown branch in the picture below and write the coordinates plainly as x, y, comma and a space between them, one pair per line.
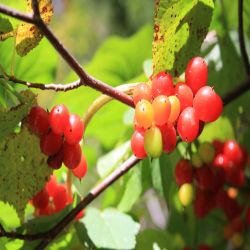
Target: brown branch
241, 37
16, 14
85, 78
93, 194
236, 92
42, 86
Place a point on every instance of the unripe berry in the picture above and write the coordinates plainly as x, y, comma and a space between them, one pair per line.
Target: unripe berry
153, 142
186, 194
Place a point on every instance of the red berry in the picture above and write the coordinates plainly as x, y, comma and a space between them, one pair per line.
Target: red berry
202, 205
218, 145
51, 185
38, 120
207, 104
196, 73
161, 107
60, 197
81, 169
137, 144
71, 155
169, 139
55, 161
204, 247
183, 172
237, 225
41, 199
45, 211
234, 152
50, 143
188, 125
79, 215
184, 94
59, 119
74, 130
204, 177
142, 91
162, 84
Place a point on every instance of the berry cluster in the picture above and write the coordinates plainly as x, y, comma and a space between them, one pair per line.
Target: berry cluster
52, 198
212, 179
60, 134
161, 108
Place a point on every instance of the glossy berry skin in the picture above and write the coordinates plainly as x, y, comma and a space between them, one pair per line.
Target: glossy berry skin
38, 120
55, 161
186, 194
153, 142
50, 143
142, 91
162, 84
169, 138
41, 199
71, 155
188, 125
184, 94
196, 73
175, 108
81, 169
144, 114
60, 197
74, 130
161, 107
137, 144
233, 152
183, 172
59, 119
207, 104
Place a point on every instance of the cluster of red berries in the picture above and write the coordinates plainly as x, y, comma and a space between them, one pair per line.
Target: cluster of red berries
60, 134
212, 179
161, 108
201, 247
52, 198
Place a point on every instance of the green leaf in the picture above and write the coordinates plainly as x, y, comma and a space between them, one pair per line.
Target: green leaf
83, 236
111, 160
221, 129
5, 25
23, 169
180, 28
10, 119
111, 228
133, 190
156, 239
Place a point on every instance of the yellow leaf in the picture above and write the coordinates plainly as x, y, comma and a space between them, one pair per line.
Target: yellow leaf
28, 35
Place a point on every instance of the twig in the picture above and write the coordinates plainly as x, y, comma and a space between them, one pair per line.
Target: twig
237, 92
241, 37
16, 14
42, 86
86, 79
93, 194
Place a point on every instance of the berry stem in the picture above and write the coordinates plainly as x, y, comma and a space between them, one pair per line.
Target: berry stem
102, 100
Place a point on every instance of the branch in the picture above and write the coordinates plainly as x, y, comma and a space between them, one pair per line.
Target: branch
42, 86
16, 14
237, 92
241, 37
93, 194
87, 79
